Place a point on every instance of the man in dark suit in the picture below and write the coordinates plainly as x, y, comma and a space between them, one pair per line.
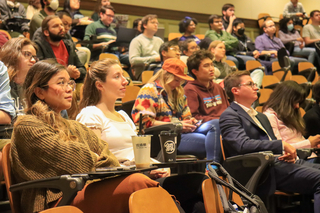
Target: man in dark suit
246, 131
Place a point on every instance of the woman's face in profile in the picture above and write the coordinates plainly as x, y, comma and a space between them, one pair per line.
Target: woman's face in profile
175, 83
27, 59
219, 51
58, 93
115, 85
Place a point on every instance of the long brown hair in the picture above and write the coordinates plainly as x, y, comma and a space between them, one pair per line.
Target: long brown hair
98, 72
10, 54
38, 77
282, 101
176, 96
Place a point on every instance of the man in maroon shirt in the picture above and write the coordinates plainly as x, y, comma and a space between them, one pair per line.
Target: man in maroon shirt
53, 44
206, 99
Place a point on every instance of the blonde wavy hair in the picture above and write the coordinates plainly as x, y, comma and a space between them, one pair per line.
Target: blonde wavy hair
176, 96
213, 45
39, 76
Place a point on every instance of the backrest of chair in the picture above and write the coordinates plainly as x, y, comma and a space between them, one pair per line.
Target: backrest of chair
288, 76
252, 64
155, 199
304, 65
268, 80
172, 36
211, 197
259, 109
302, 112
5, 32
200, 36
264, 95
7, 175
109, 55
63, 209
300, 79
275, 66
231, 64
261, 21
146, 75
131, 93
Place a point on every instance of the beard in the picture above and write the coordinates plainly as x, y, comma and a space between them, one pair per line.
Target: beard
54, 37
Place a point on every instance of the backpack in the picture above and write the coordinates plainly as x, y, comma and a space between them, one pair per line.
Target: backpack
252, 203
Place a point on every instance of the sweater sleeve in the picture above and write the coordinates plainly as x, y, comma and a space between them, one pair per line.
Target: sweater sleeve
147, 104
88, 33
55, 155
285, 38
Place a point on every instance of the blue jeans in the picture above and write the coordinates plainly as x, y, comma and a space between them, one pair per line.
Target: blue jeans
308, 52
203, 142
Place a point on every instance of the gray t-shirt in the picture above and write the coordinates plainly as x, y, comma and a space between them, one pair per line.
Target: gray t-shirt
311, 31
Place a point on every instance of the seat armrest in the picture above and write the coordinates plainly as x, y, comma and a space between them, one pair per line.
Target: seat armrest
169, 126
248, 169
69, 185
261, 67
304, 153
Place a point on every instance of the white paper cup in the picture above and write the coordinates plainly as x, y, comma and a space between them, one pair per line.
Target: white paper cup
141, 148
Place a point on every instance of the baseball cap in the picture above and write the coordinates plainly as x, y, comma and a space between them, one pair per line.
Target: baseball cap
177, 68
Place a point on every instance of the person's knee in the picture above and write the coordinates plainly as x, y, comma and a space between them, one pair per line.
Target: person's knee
140, 181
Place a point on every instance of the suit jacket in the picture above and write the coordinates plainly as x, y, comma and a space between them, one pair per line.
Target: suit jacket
312, 120
241, 135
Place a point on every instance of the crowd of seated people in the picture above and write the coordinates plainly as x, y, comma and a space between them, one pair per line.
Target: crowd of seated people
192, 87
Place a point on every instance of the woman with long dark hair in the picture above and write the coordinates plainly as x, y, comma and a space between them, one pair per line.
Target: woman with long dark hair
282, 110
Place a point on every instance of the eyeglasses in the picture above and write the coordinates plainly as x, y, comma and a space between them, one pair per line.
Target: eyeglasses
29, 55
194, 48
63, 84
271, 26
110, 16
250, 84
175, 49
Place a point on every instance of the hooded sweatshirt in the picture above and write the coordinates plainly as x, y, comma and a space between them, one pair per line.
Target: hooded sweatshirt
205, 103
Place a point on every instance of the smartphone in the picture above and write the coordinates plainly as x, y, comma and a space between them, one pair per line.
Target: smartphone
198, 123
